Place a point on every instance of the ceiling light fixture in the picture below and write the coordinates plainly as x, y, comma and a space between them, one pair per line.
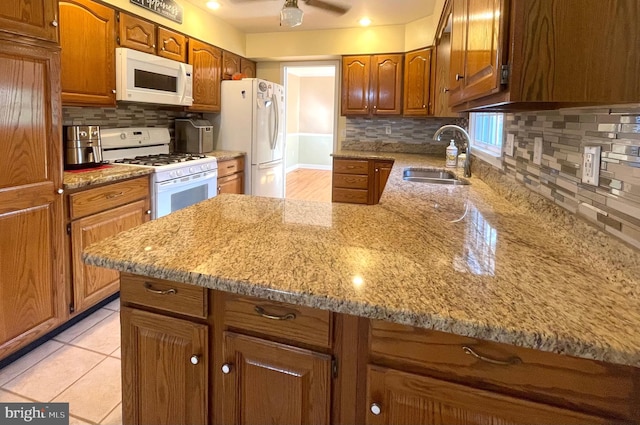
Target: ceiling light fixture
213, 5
290, 15
365, 22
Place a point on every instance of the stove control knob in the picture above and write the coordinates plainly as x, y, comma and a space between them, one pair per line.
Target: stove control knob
192, 170
172, 173
179, 172
205, 167
123, 136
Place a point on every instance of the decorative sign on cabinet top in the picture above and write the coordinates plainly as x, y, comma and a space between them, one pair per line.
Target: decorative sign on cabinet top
170, 9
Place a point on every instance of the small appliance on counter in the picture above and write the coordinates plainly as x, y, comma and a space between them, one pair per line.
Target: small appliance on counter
194, 136
83, 148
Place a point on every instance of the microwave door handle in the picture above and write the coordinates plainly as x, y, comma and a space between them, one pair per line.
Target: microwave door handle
183, 72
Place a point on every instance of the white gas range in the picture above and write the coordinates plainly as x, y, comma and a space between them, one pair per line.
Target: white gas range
178, 180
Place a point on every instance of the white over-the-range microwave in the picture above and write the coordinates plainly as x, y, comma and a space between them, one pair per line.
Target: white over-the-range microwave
141, 77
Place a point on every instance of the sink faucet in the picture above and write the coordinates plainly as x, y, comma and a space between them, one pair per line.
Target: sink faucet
467, 144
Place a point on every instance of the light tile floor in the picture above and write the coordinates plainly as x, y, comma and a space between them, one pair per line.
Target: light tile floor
80, 366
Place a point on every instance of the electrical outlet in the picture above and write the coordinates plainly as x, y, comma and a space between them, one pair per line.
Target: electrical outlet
537, 150
387, 129
509, 144
591, 165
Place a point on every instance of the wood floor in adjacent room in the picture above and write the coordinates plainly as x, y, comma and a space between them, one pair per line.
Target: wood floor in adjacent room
309, 185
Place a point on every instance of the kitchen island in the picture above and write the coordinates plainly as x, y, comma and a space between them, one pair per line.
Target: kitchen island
454, 260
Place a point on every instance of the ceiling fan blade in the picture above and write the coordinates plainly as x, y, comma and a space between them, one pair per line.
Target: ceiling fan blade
341, 10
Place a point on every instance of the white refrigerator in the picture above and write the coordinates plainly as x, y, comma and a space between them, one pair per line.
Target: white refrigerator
252, 121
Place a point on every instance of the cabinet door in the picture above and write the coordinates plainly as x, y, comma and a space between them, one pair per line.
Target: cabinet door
458, 43
172, 45
230, 65
207, 66
386, 84
35, 18
382, 170
136, 33
87, 38
440, 93
271, 383
356, 73
231, 184
395, 398
164, 369
417, 76
248, 68
92, 284
32, 299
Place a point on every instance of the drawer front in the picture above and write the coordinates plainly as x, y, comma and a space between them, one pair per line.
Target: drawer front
350, 196
549, 377
230, 166
350, 181
351, 166
163, 295
292, 322
102, 198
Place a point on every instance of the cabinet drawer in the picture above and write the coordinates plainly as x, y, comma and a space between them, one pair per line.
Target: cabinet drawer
586, 384
102, 198
230, 166
163, 295
351, 166
291, 322
351, 196
350, 181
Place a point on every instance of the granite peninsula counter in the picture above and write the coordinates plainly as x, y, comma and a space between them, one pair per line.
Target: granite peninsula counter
458, 259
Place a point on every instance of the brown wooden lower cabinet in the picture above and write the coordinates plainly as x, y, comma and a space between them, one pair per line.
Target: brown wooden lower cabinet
359, 180
164, 369
399, 398
267, 382
231, 175
239, 364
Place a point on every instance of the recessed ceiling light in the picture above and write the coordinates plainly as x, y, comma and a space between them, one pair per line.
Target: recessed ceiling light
213, 5
365, 22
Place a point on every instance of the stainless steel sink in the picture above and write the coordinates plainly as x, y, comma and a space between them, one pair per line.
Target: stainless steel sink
431, 175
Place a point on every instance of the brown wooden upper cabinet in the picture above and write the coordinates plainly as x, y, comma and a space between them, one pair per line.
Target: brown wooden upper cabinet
417, 77
248, 68
87, 38
537, 54
139, 34
230, 64
372, 85
33, 18
207, 66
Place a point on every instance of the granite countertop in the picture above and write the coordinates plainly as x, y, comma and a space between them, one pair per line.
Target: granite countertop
459, 259
104, 174
225, 155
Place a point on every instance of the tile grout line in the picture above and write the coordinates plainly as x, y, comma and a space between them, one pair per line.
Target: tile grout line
119, 405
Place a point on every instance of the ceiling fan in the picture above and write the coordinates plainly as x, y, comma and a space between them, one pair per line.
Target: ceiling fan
291, 14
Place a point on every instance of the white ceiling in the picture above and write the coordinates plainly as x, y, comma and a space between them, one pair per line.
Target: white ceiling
255, 16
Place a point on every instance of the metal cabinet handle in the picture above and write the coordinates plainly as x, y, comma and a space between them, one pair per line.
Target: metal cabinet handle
54, 23
113, 91
424, 106
510, 361
445, 90
375, 107
226, 368
114, 195
375, 409
261, 312
60, 191
219, 190
459, 77
149, 288
194, 359
148, 212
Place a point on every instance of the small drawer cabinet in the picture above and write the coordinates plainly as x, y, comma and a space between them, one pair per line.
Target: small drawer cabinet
359, 180
231, 175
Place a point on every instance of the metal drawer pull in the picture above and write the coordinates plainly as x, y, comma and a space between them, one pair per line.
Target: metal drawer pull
375, 409
195, 359
114, 195
510, 361
149, 288
261, 312
226, 368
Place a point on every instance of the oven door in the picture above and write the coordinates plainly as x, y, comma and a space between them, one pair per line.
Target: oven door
172, 195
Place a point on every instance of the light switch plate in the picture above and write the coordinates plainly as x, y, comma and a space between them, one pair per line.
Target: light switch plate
591, 165
509, 144
537, 150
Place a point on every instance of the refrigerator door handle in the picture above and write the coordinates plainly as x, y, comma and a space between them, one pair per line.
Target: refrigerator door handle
274, 137
267, 165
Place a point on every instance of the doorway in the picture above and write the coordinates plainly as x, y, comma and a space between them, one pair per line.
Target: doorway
311, 128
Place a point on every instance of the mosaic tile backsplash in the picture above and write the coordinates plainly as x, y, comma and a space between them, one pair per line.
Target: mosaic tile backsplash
408, 135
614, 205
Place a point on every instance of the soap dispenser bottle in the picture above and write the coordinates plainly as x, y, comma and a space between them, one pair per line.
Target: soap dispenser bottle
452, 155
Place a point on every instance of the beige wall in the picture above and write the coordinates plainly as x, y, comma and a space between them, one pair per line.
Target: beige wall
195, 22
293, 104
317, 94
